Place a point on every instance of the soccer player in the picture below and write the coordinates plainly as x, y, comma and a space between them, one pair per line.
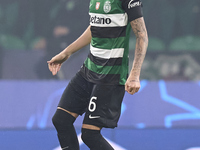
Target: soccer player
99, 86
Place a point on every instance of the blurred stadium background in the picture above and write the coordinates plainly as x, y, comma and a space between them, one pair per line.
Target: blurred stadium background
164, 115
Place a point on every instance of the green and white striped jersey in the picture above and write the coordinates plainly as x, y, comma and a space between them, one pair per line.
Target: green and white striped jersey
107, 62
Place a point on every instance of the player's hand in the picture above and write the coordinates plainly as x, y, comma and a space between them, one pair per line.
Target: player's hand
55, 63
132, 86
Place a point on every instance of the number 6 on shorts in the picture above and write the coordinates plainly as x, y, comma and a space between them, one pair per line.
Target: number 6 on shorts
92, 105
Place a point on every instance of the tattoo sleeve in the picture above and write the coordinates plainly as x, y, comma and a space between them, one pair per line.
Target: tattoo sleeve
140, 32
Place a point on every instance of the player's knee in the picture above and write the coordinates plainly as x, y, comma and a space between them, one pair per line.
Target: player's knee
62, 119
94, 140
89, 136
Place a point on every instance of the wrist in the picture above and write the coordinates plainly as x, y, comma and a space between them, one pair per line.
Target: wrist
135, 74
65, 53
134, 80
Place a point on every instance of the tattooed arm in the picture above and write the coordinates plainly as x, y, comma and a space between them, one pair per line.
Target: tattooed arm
133, 82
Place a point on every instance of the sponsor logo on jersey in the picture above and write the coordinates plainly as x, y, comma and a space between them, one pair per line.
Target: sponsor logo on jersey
97, 5
107, 7
132, 4
98, 20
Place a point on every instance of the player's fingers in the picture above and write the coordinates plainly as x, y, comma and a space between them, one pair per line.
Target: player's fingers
129, 90
136, 90
133, 90
126, 88
50, 66
59, 66
54, 69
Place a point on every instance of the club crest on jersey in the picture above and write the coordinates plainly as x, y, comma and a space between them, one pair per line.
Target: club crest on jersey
107, 7
97, 5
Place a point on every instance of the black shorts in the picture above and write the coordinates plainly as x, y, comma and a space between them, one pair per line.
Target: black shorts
100, 103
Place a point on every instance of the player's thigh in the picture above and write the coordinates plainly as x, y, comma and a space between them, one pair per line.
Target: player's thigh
76, 96
104, 108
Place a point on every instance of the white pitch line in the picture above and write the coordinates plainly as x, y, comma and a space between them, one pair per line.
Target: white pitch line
194, 148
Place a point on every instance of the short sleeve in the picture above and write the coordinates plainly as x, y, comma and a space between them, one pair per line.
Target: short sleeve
133, 8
